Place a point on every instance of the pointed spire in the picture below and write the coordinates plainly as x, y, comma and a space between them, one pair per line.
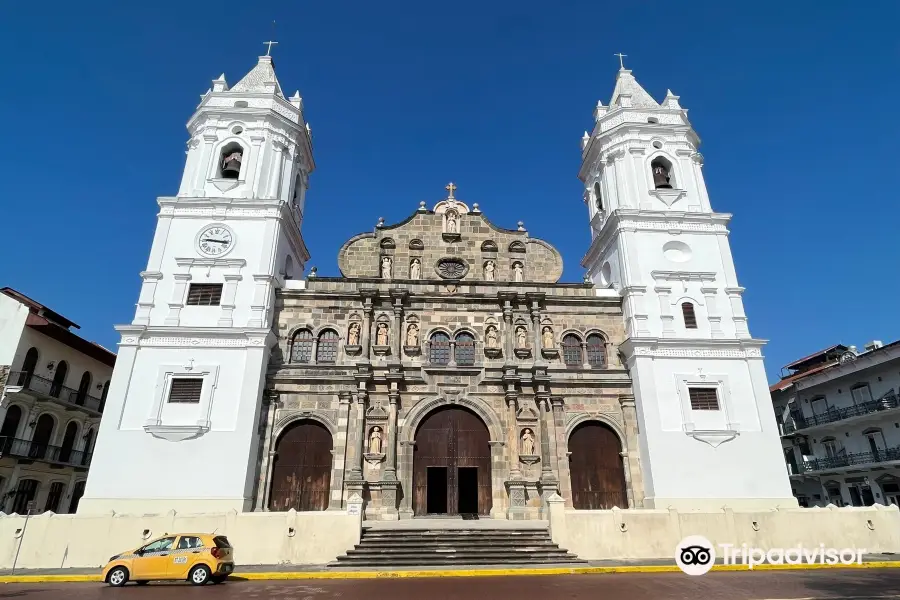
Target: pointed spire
585, 139
260, 79
671, 100
629, 93
296, 100
219, 84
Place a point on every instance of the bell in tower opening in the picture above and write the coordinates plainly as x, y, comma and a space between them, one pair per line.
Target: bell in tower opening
231, 163
661, 174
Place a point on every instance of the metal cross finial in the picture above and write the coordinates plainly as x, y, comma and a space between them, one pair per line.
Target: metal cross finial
269, 49
450, 187
621, 62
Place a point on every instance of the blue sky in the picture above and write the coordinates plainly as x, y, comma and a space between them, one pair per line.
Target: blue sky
792, 100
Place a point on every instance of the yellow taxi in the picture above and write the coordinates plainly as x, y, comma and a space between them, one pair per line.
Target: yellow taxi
195, 557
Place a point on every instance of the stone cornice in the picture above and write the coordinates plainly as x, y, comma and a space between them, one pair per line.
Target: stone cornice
691, 348
195, 337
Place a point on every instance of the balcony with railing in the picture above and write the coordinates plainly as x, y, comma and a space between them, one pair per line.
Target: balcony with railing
798, 422
31, 450
849, 460
49, 389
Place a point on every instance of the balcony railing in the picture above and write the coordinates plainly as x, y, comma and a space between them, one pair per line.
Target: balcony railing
847, 460
32, 450
886, 402
46, 387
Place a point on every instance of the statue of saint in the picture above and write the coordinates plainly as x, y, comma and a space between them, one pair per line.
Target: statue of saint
528, 442
412, 335
386, 267
353, 335
521, 337
547, 337
492, 337
415, 269
381, 338
518, 272
452, 224
375, 441
489, 270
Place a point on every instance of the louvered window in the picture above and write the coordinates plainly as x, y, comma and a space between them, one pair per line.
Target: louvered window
704, 398
690, 318
204, 294
186, 389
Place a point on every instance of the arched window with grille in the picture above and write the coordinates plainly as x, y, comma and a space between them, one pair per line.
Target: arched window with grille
572, 355
83, 388
465, 349
439, 349
596, 351
301, 346
690, 317
327, 348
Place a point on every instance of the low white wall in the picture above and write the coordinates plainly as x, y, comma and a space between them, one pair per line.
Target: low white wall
654, 533
59, 541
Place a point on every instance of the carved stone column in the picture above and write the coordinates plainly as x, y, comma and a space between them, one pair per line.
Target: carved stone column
506, 301
535, 300
264, 482
359, 432
634, 483
368, 307
547, 475
267, 486
398, 296
390, 470
560, 446
345, 401
515, 473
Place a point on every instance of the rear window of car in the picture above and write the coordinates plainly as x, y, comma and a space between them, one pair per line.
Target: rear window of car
221, 542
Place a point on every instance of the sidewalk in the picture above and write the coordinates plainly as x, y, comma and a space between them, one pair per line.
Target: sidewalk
282, 572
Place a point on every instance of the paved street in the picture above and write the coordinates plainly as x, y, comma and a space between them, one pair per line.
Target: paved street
855, 584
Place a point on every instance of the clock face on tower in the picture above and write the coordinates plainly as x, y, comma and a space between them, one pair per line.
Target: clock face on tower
215, 240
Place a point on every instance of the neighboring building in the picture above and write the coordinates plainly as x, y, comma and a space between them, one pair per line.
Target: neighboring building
447, 370
839, 417
53, 395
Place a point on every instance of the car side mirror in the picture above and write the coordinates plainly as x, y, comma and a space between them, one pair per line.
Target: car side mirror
140, 552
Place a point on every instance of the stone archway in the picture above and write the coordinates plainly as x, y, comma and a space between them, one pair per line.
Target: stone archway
301, 473
452, 464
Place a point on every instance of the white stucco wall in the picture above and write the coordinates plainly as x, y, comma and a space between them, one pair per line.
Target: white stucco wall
61, 541
12, 321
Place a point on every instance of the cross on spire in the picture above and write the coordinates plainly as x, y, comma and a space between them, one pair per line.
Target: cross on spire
621, 62
269, 49
450, 187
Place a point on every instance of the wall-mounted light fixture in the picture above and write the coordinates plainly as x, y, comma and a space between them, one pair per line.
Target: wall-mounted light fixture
50, 365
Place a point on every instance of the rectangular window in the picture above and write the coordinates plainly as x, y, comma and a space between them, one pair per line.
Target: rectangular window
204, 294
861, 393
54, 496
704, 398
186, 389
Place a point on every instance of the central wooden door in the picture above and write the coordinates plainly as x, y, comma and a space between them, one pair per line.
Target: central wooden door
301, 474
595, 465
452, 457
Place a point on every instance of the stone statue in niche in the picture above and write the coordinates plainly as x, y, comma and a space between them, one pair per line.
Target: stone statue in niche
381, 336
547, 337
412, 335
353, 335
375, 441
521, 337
528, 442
452, 222
489, 268
415, 269
518, 272
492, 337
386, 267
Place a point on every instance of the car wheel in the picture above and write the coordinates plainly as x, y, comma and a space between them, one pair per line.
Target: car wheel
117, 577
199, 575
218, 578
142, 582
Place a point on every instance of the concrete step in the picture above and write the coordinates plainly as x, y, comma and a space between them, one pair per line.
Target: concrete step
497, 545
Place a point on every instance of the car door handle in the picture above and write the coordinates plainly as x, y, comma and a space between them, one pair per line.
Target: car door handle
164, 554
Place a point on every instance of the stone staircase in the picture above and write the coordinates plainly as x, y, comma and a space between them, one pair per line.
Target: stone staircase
408, 547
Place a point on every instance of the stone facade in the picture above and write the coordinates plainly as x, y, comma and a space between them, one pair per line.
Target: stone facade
512, 386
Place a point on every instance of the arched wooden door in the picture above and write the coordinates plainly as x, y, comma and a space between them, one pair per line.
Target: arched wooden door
598, 476
29, 365
65, 452
452, 464
43, 432
301, 475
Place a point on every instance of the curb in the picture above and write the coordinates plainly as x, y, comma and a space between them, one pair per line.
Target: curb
292, 575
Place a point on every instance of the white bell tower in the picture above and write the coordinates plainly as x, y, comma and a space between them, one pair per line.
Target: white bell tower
180, 427
708, 436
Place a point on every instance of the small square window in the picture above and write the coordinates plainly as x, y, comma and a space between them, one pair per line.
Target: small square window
204, 294
186, 389
704, 398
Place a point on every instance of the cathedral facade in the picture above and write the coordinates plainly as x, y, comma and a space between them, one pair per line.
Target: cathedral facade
447, 370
